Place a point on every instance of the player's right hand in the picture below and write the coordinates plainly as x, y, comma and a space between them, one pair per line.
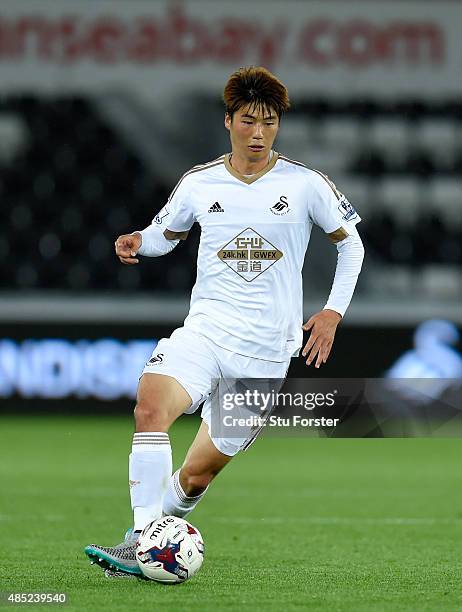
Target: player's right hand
127, 246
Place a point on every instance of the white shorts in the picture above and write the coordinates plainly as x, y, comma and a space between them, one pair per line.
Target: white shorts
195, 361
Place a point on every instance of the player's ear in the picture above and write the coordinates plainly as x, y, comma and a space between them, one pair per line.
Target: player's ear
228, 121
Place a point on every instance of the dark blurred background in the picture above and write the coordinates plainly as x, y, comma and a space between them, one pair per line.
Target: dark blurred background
104, 106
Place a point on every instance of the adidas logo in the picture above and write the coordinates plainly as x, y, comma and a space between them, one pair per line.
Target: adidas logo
216, 208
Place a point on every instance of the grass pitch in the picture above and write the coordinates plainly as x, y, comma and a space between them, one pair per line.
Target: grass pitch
292, 524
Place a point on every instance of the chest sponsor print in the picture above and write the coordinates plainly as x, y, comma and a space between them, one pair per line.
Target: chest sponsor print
249, 254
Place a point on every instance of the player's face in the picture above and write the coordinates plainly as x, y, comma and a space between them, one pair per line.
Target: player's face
252, 132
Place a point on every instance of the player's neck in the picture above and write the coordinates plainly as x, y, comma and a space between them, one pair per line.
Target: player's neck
248, 167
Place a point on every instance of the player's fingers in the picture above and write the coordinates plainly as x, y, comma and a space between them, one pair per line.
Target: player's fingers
126, 254
124, 245
311, 340
320, 360
314, 351
123, 248
123, 254
309, 324
121, 251
324, 351
128, 261
325, 342
327, 352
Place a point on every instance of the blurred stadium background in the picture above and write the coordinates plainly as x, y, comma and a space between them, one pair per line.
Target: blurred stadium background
104, 105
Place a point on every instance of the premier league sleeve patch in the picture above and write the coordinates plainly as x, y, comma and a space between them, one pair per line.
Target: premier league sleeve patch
346, 209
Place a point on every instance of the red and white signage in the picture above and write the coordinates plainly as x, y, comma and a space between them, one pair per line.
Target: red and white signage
338, 47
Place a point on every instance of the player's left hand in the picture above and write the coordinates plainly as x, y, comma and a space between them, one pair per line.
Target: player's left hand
323, 326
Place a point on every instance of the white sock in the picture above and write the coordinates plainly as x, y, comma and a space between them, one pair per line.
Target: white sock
176, 502
150, 467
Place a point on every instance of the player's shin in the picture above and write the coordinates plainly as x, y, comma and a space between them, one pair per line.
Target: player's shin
176, 502
150, 467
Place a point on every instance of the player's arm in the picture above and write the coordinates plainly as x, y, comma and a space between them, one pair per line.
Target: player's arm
150, 242
323, 325
350, 256
168, 227
335, 215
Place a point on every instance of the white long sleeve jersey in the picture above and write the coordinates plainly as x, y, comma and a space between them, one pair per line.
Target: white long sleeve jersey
254, 235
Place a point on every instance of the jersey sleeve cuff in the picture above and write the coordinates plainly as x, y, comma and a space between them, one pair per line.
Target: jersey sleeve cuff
338, 309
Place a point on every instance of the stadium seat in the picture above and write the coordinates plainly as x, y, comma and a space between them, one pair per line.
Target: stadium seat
368, 162
445, 195
389, 135
436, 135
401, 197
439, 282
342, 132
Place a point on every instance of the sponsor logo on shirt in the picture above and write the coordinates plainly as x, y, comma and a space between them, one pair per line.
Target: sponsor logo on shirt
249, 254
281, 207
346, 209
216, 208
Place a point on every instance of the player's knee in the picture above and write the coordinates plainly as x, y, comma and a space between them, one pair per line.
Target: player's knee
149, 417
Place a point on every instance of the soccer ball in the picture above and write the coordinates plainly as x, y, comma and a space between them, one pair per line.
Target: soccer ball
169, 550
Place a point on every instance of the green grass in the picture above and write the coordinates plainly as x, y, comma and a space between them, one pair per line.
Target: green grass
292, 524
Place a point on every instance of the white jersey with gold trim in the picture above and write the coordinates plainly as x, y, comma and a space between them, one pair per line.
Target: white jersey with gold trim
255, 232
